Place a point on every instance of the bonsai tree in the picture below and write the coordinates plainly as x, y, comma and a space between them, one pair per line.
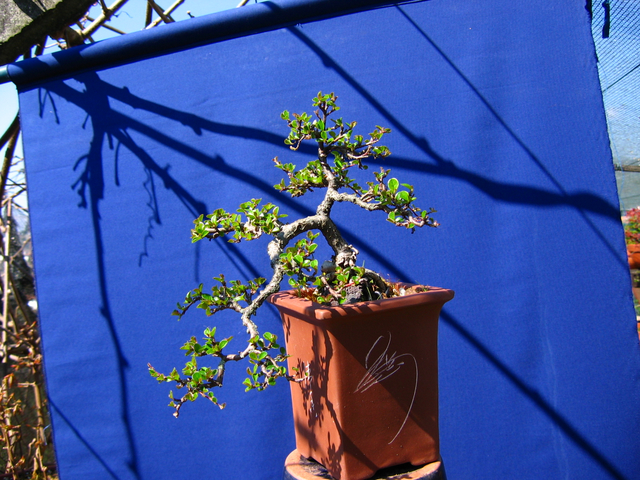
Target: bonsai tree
336, 281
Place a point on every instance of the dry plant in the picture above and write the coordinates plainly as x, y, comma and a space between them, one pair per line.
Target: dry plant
27, 450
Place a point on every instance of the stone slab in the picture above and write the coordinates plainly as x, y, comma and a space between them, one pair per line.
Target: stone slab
24, 23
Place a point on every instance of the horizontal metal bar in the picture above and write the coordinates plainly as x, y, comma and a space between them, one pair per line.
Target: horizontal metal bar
4, 75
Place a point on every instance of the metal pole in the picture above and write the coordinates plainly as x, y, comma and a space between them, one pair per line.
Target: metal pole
4, 75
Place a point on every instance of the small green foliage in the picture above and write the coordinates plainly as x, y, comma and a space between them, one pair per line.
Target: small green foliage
223, 296
302, 181
265, 369
256, 221
335, 142
299, 264
292, 247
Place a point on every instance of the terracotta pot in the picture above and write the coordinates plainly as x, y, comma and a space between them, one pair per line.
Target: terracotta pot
633, 255
371, 398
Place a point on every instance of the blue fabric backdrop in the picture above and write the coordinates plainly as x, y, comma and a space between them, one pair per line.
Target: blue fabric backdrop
497, 119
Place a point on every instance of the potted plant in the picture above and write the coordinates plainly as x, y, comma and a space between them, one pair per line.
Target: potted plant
632, 237
361, 350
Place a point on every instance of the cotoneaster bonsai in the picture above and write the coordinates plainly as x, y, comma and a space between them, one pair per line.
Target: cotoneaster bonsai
341, 344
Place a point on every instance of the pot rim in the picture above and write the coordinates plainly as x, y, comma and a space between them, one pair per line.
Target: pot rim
288, 300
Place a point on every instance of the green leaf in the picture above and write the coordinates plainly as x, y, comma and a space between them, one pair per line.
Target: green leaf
402, 196
393, 184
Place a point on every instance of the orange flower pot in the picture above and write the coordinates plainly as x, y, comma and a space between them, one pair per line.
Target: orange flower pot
633, 255
370, 399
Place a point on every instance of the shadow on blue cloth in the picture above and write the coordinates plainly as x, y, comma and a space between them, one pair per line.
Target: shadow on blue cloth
90, 186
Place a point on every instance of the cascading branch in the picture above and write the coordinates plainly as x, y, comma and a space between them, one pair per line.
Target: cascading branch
291, 249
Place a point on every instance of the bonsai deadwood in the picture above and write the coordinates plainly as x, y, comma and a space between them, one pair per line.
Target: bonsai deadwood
337, 281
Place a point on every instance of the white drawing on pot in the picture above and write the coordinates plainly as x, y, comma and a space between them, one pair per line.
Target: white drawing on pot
382, 368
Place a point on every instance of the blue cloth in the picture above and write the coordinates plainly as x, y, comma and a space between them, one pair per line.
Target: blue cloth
497, 120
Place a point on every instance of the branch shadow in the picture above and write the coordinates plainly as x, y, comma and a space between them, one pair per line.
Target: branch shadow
523, 194
543, 405
82, 440
90, 187
582, 202
91, 182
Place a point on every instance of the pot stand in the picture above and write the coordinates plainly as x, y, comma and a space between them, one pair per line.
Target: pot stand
296, 467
